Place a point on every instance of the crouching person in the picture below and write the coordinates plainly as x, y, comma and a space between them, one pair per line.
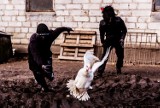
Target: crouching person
40, 55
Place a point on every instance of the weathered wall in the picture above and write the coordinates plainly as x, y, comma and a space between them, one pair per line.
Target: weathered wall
78, 14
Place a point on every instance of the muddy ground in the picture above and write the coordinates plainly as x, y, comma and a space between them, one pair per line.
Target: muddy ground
138, 86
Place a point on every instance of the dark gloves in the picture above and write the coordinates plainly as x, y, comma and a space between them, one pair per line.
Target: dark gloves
48, 72
122, 43
69, 29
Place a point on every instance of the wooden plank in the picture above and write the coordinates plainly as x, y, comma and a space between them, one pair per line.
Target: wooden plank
76, 52
80, 54
61, 51
85, 42
88, 37
71, 49
82, 32
71, 36
78, 37
76, 45
82, 50
68, 54
70, 41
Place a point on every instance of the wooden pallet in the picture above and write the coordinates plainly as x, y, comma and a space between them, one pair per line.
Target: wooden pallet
76, 44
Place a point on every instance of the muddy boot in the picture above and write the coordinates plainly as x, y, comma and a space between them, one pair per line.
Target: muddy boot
118, 71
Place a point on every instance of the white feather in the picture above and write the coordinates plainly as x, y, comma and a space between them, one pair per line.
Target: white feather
78, 87
89, 58
98, 64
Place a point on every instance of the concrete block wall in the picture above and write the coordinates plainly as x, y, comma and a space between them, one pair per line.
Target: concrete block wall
78, 14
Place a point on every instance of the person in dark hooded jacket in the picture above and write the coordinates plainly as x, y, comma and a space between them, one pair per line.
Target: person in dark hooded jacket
112, 33
40, 55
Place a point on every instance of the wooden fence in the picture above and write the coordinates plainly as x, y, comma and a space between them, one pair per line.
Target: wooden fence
140, 48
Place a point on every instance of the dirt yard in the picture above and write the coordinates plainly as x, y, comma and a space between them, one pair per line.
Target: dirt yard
138, 86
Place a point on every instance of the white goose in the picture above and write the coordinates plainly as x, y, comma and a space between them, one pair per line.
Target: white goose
78, 87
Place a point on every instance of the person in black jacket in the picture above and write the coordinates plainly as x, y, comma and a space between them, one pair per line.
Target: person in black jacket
40, 55
112, 33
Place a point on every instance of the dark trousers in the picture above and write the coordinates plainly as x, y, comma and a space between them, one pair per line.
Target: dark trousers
119, 50
40, 78
40, 74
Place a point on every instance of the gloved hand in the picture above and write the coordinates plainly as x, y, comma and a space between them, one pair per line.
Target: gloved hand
69, 29
48, 71
122, 43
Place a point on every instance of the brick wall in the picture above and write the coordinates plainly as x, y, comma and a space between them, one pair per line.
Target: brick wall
78, 14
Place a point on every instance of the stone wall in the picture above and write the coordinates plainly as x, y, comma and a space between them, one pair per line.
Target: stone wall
78, 14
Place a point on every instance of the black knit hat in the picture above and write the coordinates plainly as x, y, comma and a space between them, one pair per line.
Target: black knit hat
42, 28
109, 10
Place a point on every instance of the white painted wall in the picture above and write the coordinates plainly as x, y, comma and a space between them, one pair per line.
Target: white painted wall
78, 14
